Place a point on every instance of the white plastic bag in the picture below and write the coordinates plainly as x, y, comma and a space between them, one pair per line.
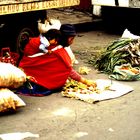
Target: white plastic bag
128, 34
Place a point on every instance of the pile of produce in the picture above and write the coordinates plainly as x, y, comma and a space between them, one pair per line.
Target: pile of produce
121, 51
106, 89
73, 86
125, 72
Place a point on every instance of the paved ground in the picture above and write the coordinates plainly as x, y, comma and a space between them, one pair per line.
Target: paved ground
70, 15
79, 18
55, 117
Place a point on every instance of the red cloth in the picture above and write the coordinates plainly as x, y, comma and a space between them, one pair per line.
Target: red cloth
48, 70
32, 47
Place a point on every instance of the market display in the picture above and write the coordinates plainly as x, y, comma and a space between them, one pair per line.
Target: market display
78, 87
106, 89
124, 51
125, 72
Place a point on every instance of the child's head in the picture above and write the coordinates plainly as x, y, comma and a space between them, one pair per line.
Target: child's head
53, 36
68, 34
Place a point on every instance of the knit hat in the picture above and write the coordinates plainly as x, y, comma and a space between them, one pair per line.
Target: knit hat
68, 30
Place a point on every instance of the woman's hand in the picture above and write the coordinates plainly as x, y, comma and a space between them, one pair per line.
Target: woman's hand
88, 82
91, 83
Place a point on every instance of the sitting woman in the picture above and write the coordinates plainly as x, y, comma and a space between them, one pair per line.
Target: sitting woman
68, 34
48, 72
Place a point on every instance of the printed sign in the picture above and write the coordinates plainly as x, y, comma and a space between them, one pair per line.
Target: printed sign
34, 6
121, 3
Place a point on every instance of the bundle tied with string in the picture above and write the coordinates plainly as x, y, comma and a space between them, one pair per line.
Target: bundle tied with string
48, 24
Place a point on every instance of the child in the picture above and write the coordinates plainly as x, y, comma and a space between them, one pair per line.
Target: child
33, 46
43, 28
44, 43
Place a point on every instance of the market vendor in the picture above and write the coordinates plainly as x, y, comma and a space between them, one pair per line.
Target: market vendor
49, 71
68, 34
